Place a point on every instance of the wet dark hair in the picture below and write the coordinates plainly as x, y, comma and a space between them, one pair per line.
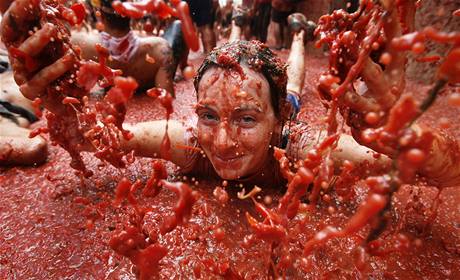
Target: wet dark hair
259, 58
112, 18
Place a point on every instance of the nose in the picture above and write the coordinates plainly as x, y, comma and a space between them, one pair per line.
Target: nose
223, 138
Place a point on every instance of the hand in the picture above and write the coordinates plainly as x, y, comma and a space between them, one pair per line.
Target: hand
368, 90
30, 56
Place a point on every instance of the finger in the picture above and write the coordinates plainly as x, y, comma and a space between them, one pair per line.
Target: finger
378, 87
360, 137
15, 19
359, 103
19, 70
37, 85
35, 43
395, 70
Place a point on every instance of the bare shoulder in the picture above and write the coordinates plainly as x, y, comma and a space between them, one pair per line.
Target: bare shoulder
85, 36
87, 41
154, 43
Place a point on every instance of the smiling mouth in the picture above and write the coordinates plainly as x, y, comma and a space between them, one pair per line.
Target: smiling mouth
227, 160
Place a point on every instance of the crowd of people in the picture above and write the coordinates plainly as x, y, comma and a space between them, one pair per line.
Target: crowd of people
247, 98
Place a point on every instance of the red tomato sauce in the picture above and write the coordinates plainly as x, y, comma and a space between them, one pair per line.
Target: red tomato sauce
55, 224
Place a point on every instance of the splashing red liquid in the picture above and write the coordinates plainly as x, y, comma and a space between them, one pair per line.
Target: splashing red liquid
137, 10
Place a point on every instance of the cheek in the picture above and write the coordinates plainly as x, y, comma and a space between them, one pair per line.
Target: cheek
205, 135
255, 139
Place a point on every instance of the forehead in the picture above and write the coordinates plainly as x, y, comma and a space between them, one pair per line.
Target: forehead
232, 84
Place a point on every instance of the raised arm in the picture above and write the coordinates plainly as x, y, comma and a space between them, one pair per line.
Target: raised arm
372, 100
48, 67
164, 77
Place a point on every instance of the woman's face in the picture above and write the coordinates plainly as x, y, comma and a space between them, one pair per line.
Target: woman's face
236, 121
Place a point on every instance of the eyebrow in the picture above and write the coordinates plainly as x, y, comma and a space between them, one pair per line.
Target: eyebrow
248, 107
203, 106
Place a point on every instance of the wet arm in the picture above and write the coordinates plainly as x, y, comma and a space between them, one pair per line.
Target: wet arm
441, 166
164, 79
148, 137
348, 149
86, 40
362, 157
165, 75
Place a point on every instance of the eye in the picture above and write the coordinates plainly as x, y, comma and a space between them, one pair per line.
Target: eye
208, 117
247, 121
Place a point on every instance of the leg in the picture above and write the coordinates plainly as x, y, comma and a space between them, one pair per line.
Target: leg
235, 33
286, 39
264, 22
279, 21
296, 64
296, 72
209, 38
277, 35
303, 32
183, 61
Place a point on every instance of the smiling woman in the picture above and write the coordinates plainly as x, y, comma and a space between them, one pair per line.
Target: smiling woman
239, 88
236, 121
242, 112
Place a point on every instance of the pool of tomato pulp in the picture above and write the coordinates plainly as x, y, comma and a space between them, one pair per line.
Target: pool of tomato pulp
56, 225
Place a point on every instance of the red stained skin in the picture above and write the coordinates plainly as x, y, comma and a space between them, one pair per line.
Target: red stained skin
44, 211
166, 100
66, 249
234, 129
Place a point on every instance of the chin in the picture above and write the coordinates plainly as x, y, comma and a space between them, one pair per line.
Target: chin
229, 174
231, 170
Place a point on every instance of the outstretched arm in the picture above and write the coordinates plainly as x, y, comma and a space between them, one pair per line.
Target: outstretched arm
149, 136
63, 86
165, 75
347, 149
